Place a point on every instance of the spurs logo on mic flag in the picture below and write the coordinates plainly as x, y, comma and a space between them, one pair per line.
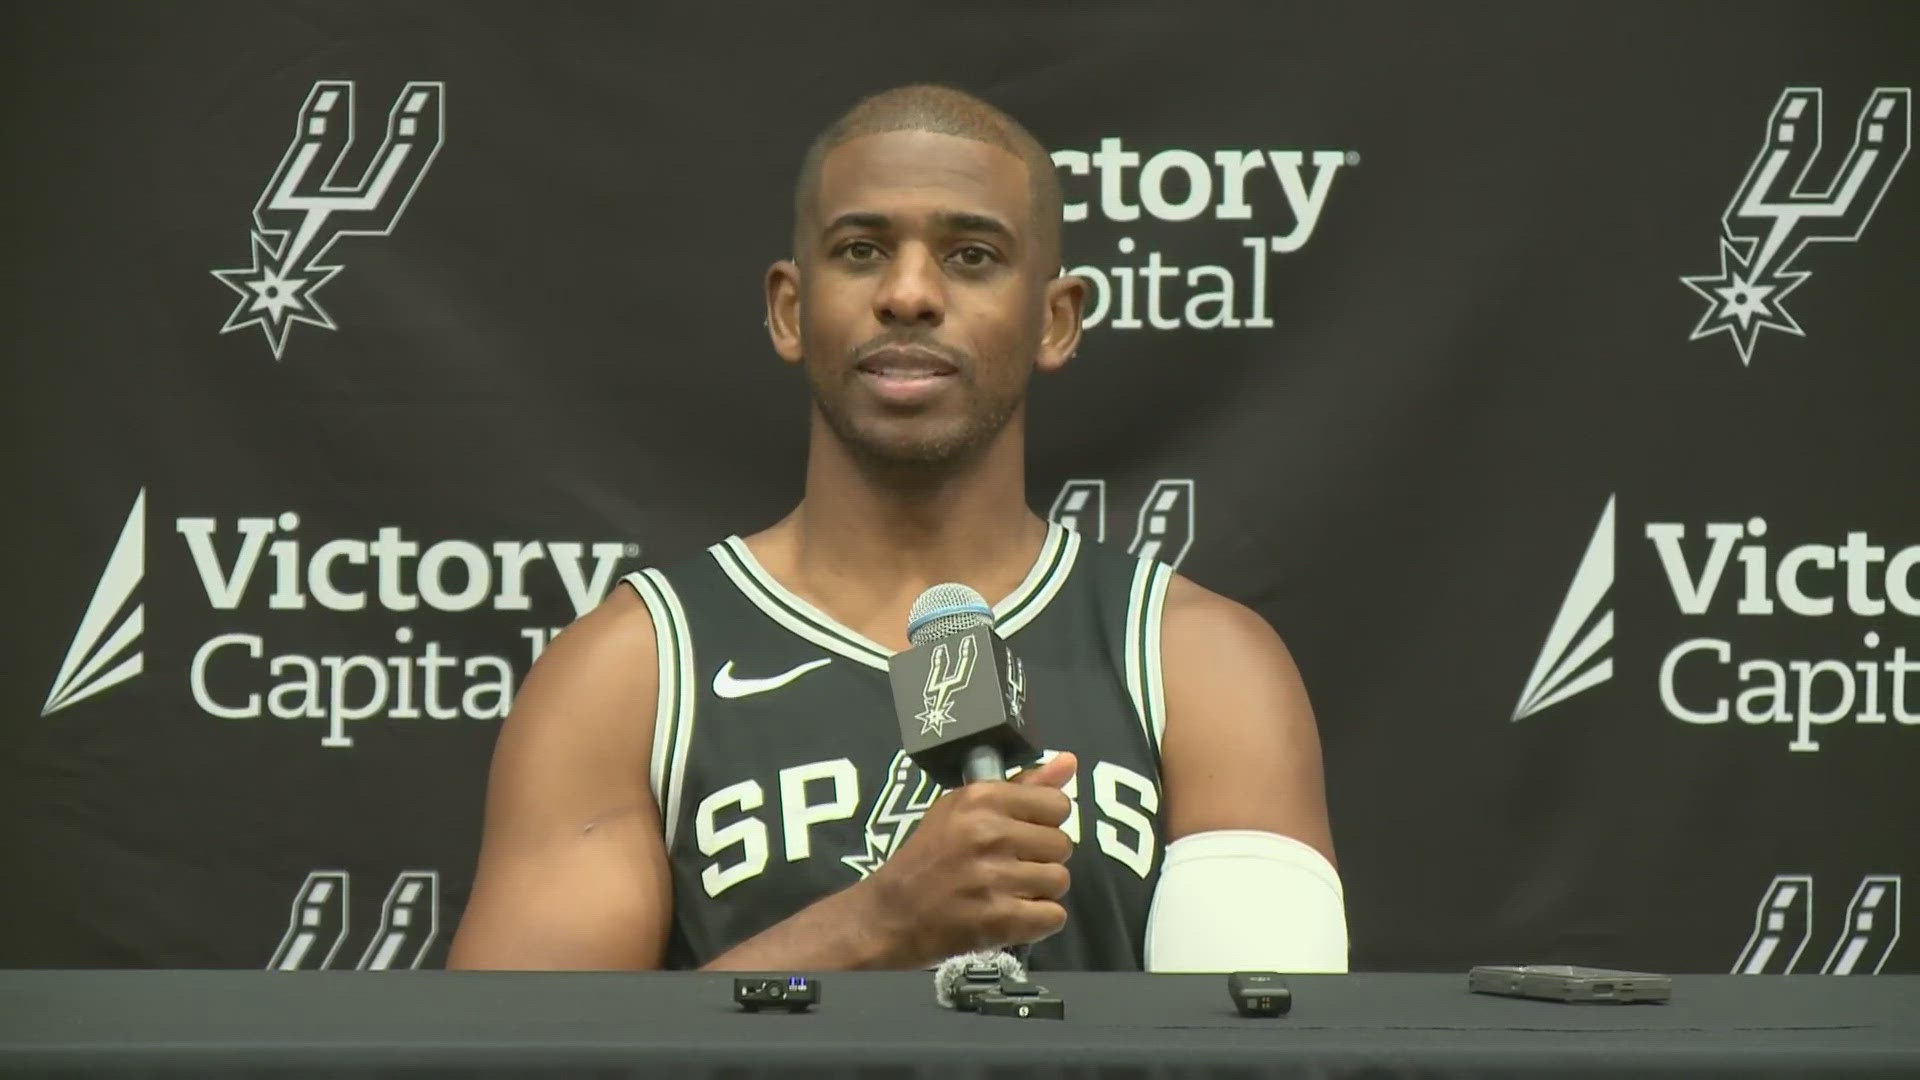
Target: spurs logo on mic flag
305, 206
1016, 690
950, 672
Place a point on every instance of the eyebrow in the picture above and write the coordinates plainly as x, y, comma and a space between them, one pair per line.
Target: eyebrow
950, 220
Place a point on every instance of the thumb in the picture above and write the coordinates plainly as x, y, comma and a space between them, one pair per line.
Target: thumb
1054, 772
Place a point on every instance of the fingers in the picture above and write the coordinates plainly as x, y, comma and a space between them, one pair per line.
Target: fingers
1023, 802
1037, 843
1053, 772
1029, 921
1034, 880
1037, 794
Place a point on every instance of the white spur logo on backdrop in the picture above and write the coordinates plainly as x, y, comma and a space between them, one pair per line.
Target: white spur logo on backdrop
1773, 216
1783, 927
1164, 530
307, 206
318, 926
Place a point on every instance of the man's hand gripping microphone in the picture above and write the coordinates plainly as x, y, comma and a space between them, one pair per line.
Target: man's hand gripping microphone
986, 866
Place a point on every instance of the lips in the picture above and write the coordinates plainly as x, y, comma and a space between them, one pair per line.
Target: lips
906, 363
906, 377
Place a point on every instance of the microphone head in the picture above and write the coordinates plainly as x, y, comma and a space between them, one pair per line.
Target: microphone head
945, 609
952, 972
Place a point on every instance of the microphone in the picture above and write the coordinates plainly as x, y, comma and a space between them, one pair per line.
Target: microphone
959, 980
958, 692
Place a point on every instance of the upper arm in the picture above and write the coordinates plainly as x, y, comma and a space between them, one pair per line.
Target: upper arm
1240, 749
573, 870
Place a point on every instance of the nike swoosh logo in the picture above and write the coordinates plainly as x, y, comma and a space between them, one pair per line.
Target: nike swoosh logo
725, 685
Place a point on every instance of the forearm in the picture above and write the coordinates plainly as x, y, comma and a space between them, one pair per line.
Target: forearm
848, 930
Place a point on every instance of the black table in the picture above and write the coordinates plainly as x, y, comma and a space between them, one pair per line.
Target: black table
201, 1023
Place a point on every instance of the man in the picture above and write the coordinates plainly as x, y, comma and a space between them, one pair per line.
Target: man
705, 770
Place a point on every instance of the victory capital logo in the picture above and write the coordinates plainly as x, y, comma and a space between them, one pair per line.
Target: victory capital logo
1773, 216
306, 206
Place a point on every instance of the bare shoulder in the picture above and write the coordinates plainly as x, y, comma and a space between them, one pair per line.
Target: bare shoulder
1241, 748
582, 723
1198, 615
1218, 655
606, 651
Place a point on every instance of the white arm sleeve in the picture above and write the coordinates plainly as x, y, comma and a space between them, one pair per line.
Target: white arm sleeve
1246, 900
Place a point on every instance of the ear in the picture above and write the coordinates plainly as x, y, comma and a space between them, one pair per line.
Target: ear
1065, 301
783, 309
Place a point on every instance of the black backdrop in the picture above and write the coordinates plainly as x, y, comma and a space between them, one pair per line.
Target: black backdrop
1463, 433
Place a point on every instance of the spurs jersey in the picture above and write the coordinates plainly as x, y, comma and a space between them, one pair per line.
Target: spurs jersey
776, 754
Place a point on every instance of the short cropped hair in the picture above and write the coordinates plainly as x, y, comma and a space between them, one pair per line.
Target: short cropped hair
943, 110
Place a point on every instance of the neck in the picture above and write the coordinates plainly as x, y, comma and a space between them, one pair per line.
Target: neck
868, 537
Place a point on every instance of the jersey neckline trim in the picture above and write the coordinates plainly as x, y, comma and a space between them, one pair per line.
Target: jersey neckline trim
783, 606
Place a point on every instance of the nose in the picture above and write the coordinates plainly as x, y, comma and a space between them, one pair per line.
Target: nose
911, 291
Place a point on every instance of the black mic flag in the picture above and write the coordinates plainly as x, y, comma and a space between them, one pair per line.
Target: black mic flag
959, 692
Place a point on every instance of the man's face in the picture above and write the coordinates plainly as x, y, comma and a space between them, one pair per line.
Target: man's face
920, 306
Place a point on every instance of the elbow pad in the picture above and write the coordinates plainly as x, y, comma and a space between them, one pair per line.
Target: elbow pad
1246, 900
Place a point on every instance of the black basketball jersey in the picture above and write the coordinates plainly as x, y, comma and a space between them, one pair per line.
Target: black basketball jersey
776, 755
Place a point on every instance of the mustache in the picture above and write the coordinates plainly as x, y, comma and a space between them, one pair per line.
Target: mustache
912, 343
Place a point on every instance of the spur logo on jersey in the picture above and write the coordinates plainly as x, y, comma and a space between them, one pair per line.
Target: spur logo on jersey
1206, 195
731, 831
1163, 529
1783, 925
950, 672
1864, 587
307, 206
1774, 214
903, 799
266, 571
319, 926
